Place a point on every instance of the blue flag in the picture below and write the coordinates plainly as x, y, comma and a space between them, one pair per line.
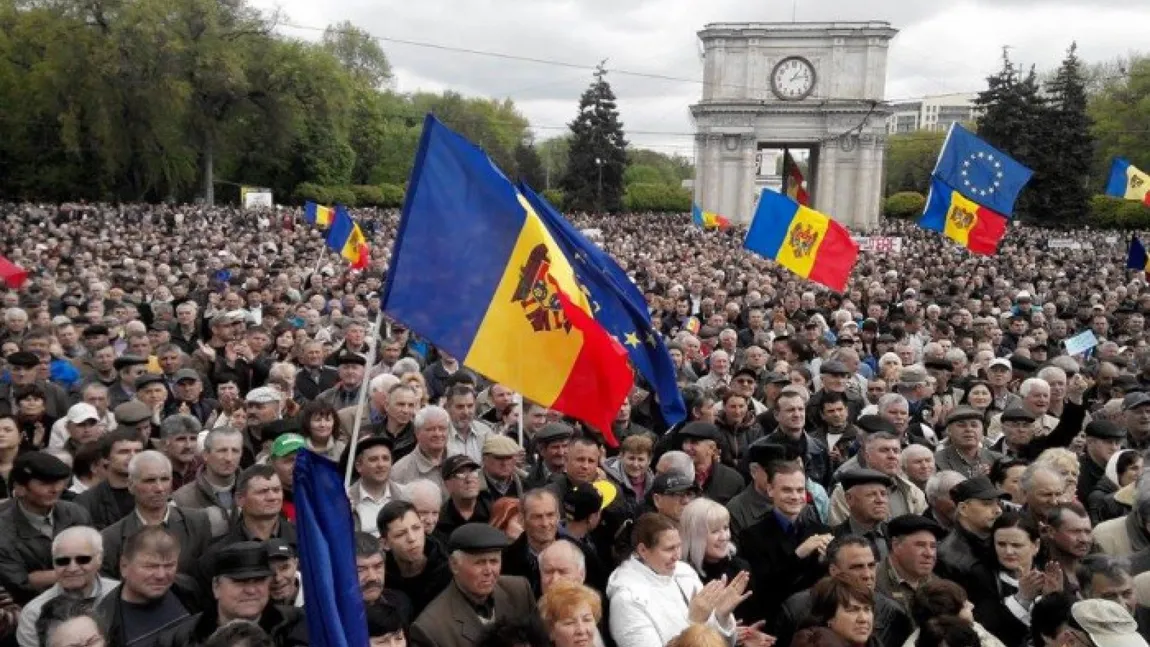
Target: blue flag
617, 305
326, 534
980, 172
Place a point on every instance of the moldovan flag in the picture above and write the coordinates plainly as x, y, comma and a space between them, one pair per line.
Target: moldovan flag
347, 238
476, 272
14, 276
1137, 258
969, 224
708, 219
1127, 181
325, 529
802, 240
793, 180
318, 215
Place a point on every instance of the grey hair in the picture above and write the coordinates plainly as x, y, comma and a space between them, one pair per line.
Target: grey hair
1114, 569
956, 356
180, 424
720, 353
1029, 384
699, 518
939, 485
424, 487
405, 365
95, 387
382, 382
570, 550
535, 495
913, 451
282, 371
88, 534
1064, 362
1032, 470
151, 457
425, 415
676, 461
1048, 372
218, 432
889, 399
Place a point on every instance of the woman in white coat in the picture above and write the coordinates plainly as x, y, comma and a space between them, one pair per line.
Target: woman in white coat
654, 595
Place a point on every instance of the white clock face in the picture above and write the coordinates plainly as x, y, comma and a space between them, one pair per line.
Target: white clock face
793, 79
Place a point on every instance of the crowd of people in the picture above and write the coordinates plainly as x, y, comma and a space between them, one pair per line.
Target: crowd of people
916, 462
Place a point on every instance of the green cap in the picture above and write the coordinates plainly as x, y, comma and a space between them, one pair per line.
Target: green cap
287, 444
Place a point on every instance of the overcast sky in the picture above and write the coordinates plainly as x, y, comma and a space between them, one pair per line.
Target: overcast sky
941, 47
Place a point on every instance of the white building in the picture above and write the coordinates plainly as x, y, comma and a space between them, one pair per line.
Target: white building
936, 112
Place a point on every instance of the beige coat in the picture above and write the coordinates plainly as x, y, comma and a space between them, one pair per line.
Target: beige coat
906, 498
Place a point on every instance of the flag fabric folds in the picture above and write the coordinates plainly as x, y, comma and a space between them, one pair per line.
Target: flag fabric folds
617, 305
793, 181
14, 276
347, 238
1128, 181
980, 172
802, 240
962, 220
318, 215
326, 533
1136, 257
708, 219
476, 272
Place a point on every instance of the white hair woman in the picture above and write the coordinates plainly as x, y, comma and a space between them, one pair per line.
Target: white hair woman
705, 529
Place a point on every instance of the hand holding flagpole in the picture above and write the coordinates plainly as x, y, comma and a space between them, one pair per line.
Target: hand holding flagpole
372, 346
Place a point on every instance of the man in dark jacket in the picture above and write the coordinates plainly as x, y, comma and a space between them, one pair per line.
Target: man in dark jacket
314, 375
967, 556
791, 416
150, 482
415, 564
30, 520
111, 500
716, 480
152, 597
241, 578
24, 369
851, 559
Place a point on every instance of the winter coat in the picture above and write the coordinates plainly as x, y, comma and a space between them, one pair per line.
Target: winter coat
650, 609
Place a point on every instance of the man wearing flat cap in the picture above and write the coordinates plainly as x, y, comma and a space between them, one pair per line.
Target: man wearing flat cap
478, 596
1136, 416
701, 441
1103, 440
913, 556
551, 444
241, 581
967, 555
351, 367
28, 524
128, 369
500, 476
867, 495
965, 451
24, 370
461, 478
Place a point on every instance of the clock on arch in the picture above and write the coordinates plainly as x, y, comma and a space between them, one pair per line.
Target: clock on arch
793, 78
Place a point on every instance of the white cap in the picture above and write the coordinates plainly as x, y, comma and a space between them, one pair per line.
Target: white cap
1001, 361
82, 411
1108, 623
1023, 295
264, 395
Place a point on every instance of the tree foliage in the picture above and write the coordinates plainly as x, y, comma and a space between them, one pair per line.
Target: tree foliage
910, 159
1067, 172
1121, 116
358, 52
598, 151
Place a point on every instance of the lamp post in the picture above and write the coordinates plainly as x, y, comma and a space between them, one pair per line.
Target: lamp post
599, 192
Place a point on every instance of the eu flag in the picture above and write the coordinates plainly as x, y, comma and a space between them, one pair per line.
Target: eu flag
617, 305
980, 172
326, 534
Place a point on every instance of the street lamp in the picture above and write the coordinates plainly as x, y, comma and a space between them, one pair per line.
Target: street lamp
599, 193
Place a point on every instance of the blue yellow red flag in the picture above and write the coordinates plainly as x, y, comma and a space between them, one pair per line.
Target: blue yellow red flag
794, 182
317, 214
325, 530
476, 272
969, 224
618, 305
802, 240
347, 238
708, 219
1128, 181
1136, 257
980, 172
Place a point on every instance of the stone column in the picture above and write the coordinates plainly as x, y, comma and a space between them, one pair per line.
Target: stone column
825, 182
747, 184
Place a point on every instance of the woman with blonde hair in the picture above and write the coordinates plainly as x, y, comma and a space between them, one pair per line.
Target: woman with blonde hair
506, 517
705, 527
1065, 462
571, 614
698, 636
415, 380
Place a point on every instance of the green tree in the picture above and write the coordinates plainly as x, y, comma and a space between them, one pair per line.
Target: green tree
598, 155
554, 152
1071, 144
359, 52
530, 166
1121, 119
910, 159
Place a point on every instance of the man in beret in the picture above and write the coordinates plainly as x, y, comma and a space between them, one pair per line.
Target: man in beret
241, 582
351, 367
867, 493
24, 370
913, 556
480, 596
967, 555
128, 369
500, 475
29, 523
965, 452
551, 444
374, 488
1103, 440
701, 441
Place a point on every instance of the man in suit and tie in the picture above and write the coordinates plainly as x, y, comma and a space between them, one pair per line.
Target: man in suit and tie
477, 597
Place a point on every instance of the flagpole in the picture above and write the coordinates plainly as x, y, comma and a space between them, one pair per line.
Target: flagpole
372, 345
520, 425
318, 262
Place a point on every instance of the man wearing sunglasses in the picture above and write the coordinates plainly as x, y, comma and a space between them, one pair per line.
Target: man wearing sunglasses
76, 555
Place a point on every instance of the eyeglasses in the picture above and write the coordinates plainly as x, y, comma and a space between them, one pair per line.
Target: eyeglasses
62, 561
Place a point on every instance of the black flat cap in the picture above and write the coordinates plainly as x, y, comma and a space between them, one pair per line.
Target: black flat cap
834, 367
187, 374
961, 413
379, 440
477, 538
39, 466
673, 483
748, 371
1105, 429
1135, 400
872, 424
766, 453
1018, 413
939, 364
347, 357
149, 378
269, 431
279, 549
776, 378
95, 330
700, 431
245, 560
23, 359
124, 361
908, 524
978, 487
132, 412
864, 476
553, 431
1023, 364
886, 338
456, 464
581, 502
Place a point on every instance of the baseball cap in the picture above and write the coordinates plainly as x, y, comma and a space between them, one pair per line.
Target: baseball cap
581, 502
82, 411
1108, 623
455, 464
979, 487
1001, 361
263, 395
673, 483
287, 445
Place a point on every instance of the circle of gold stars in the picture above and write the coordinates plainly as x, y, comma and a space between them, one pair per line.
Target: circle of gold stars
987, 158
